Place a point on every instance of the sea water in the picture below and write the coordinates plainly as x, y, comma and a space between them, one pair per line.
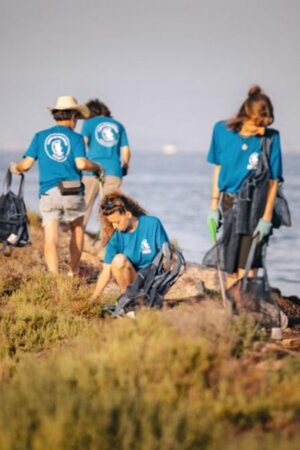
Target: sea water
176, 188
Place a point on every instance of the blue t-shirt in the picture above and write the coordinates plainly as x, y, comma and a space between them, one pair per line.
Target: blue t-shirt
141, 245
56, 149
238, 156
106, 137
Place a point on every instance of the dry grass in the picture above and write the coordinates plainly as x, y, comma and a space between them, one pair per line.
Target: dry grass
185, 378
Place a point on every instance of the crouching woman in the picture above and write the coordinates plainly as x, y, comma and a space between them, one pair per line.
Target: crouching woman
132, 240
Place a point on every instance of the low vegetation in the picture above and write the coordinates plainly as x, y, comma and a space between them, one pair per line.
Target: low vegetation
183, 378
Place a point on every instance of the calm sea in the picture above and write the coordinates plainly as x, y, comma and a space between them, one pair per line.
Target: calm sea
176, 188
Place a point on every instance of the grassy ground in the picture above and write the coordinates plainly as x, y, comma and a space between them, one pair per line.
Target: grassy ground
182, 378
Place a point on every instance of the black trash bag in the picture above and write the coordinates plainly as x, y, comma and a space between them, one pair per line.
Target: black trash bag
14, 226
151, 283
281, 212
253, 296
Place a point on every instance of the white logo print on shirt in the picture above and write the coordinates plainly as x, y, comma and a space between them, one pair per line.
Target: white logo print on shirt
57, 147
107, 134
145, 247
253, 161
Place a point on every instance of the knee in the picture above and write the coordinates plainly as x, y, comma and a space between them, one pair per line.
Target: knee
119, 261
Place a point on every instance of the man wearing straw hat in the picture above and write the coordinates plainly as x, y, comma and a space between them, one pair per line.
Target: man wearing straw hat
61, 156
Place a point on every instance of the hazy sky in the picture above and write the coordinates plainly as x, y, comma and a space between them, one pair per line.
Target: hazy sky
168, 69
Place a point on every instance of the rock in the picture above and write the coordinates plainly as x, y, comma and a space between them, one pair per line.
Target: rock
193, 282
208, 276
289, 305
293, 343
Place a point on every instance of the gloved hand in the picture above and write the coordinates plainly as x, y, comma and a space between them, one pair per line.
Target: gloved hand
263, 228
99, 174
125, 168
214, 215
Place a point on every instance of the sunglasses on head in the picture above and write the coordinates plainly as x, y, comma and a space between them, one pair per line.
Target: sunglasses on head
111, 206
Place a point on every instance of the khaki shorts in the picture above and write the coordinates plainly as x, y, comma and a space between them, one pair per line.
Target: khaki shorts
55, 206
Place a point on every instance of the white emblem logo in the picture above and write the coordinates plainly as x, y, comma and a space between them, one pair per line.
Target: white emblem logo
145, 247
107, 134
253, 161
57, 147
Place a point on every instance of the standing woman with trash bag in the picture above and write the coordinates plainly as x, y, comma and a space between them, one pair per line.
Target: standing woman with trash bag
248, 169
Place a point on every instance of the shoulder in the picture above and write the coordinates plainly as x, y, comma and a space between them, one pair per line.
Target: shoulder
116, 122
272, 133
150, 220
46, 132
76, 135
221, 127
92, 120
75, 138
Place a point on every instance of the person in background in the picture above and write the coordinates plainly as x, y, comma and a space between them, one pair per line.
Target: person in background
108, 146
132, 240
61, 156
236, 150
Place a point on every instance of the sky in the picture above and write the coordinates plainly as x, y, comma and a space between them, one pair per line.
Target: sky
168, 69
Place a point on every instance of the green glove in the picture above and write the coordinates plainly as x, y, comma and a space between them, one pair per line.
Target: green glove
263, 228
214, 215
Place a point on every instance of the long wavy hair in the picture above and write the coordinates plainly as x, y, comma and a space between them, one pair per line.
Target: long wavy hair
112, 202
257, 107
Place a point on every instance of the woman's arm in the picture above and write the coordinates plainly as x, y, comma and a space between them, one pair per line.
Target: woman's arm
264, 226
215, 196
102, 282
270, 202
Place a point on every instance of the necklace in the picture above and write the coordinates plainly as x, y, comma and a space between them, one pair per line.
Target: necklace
245, 142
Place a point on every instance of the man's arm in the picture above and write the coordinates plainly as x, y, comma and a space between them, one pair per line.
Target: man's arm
22, 166
102, 282
86, 164
126, 155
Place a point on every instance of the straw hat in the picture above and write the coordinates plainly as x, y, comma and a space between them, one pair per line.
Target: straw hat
66, 102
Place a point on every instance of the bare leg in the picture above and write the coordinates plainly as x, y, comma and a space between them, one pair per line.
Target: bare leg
252, 273
123, 271
50, 247
76, 243
233, 277
91, 185
111, 183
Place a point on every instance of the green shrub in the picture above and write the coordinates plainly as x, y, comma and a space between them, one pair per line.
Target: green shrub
139, 384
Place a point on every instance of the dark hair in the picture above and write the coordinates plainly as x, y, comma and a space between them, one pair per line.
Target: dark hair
257, 107
98, 108
64, 114
117, 201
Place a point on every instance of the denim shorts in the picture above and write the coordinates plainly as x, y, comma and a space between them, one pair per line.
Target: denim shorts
54, 206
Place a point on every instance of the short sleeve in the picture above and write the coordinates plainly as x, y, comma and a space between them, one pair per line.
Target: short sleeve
123, 138
161, 235
85, 130
79, 148
112, 249
33, 148
214, 150
275, 159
